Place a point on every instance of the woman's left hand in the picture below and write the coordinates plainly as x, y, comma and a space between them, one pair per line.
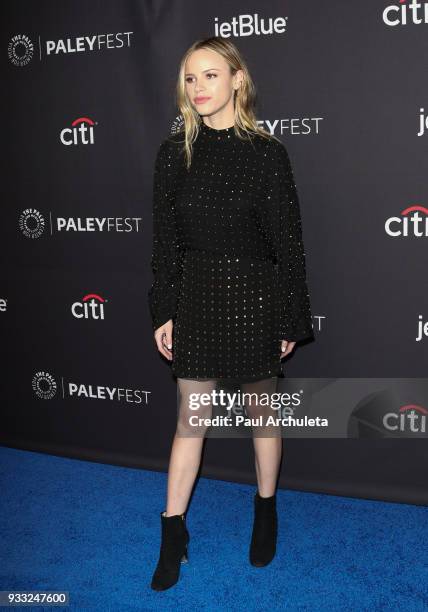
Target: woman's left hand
286, 347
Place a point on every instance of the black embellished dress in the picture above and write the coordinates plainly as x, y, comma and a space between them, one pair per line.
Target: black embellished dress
228, 257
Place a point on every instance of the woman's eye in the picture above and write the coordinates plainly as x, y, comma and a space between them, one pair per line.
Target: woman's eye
209, 74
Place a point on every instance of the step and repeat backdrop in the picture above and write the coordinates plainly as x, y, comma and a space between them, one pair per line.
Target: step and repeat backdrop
88, 96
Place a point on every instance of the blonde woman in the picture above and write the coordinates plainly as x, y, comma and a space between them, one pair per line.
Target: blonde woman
229, 297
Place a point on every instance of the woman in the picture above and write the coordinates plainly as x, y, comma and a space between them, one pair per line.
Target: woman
229, 297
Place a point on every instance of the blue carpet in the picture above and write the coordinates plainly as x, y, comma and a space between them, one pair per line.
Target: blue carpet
94, 530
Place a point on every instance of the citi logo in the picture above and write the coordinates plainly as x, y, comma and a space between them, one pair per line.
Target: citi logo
91, 307
405, 13
413, 222
80, 132
249, 25
410, 418
20, 50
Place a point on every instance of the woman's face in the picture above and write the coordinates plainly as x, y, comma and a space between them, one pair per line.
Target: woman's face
209, 82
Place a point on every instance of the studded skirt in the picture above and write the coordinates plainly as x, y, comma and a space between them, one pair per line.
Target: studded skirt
226, 325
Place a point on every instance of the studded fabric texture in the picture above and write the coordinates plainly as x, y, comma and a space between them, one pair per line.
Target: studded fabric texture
228, 258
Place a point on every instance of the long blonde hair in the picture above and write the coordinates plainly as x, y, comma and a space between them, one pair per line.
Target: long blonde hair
244, 98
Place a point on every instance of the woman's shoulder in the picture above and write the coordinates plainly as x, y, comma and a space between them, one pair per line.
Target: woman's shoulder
267, 144
174, 138
170, 139
271, 142
169, 146
271, 150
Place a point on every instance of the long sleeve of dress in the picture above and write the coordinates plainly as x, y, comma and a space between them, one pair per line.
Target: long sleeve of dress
165, 260
282, 216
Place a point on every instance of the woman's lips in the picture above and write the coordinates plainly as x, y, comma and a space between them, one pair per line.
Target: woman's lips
201, 100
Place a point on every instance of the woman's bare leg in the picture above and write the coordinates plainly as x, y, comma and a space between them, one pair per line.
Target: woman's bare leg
186, 448
183, 467
267, 440
268, 453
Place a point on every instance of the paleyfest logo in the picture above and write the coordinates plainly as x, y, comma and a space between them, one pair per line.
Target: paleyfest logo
413, 222
294, 125
405, 13
32, 224
80, 132
94, 42
45, 387
21, 48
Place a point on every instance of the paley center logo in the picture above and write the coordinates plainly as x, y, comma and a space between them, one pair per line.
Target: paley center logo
177, 124
90, 307
412, 222
45, 387
32, 224
250, 25
80, 132
404, 13
21, 48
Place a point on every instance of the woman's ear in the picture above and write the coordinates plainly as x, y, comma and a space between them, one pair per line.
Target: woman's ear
239, 77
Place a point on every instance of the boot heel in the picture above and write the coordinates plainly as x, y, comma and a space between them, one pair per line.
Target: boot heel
185, 557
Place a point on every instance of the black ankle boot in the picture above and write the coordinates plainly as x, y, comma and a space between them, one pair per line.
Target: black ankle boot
173, 552
265, 528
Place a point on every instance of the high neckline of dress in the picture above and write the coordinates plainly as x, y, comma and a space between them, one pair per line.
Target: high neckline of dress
221, 134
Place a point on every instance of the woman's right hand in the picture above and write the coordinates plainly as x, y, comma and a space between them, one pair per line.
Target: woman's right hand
163, 339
